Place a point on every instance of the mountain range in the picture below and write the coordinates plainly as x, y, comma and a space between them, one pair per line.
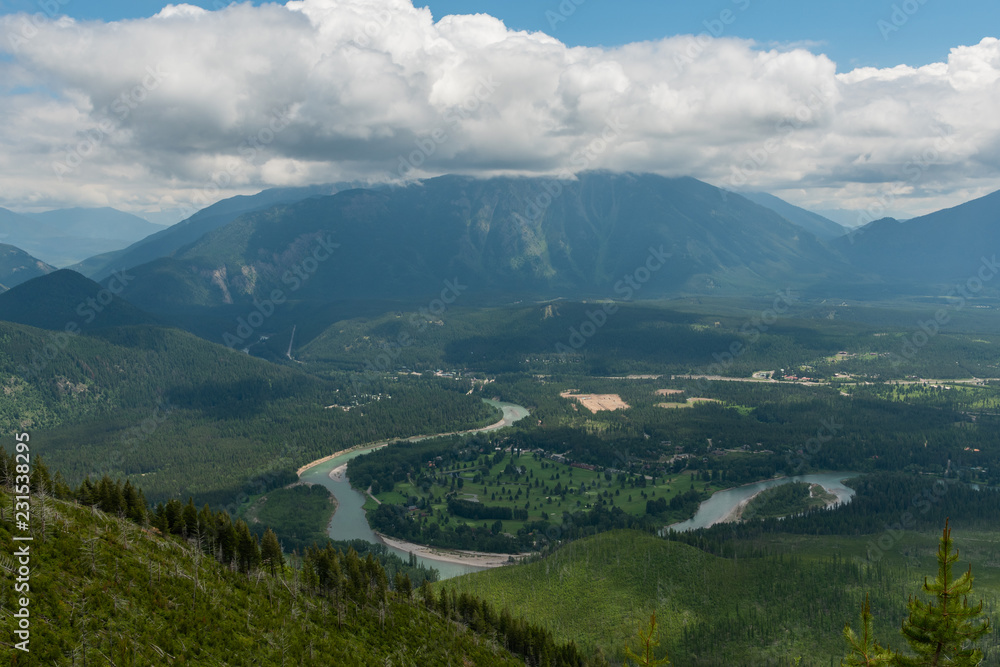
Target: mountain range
167, 241
311, 256
946, 247
504, 238
66, 236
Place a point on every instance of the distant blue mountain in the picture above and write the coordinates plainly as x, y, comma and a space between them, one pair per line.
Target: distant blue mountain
820, 227
66, 236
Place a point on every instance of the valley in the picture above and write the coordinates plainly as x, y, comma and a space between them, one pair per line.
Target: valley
373, 333
616, 457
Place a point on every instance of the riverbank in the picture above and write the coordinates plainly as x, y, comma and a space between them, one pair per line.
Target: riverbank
736, 513
725, 505
313, 464
505, 420
454, 556
815, 491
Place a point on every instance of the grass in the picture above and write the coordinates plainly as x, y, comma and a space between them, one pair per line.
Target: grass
536, 485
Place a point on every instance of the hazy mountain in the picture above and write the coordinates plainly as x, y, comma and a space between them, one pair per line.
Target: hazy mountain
941, 248
23, 232
495, 237
168, 241
66, 236
17, 266
97, 223
58, 300
820, 227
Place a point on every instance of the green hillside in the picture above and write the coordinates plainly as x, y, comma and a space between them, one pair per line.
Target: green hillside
712, 611
183, 416
104, 590
66, 301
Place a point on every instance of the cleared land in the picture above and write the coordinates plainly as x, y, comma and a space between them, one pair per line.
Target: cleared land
689, 403
598, 402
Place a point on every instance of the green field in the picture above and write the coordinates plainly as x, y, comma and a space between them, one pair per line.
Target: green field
531, 482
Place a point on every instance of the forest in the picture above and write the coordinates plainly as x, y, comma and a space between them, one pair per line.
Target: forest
352, 607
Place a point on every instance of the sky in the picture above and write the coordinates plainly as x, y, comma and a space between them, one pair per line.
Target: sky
858, 108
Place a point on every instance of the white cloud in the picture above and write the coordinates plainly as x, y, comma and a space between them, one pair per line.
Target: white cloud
148, 113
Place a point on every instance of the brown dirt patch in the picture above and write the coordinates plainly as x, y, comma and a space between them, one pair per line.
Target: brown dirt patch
598, 402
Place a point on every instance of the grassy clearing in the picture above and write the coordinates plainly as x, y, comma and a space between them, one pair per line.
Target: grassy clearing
541, 486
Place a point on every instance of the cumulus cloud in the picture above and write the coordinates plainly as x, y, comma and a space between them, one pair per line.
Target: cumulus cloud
190, 106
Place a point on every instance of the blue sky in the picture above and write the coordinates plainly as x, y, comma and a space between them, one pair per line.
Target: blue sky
849, 31
874, 107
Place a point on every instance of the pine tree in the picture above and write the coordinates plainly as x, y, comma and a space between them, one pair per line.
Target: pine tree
865, 651
944, 632
647, 642
270, 552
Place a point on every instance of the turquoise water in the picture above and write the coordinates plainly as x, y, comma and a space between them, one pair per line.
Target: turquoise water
349, 521
721, 503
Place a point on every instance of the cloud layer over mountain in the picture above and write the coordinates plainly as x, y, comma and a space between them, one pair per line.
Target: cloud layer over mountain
188, 106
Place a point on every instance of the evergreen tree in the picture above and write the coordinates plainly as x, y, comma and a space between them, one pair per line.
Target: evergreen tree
270, 552
865, 651
403, 585
944, 631
647, 642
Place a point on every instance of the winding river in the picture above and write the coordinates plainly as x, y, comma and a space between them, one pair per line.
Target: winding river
349, 521
722, 503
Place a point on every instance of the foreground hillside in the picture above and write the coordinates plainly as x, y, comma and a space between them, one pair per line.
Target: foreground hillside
105, 591
712, 611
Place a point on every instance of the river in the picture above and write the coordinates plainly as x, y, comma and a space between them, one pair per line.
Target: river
716, 508
349, 521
